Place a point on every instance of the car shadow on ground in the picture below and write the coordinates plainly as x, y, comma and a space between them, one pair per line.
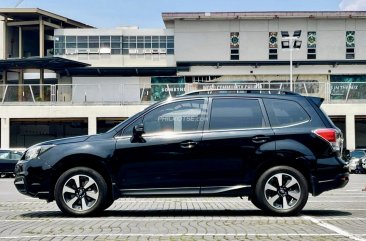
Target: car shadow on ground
183, 213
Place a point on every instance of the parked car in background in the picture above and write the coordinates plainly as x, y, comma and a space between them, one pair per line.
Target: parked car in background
273, 148
8, 159
357, 163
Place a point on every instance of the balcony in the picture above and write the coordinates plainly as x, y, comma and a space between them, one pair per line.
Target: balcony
135, 94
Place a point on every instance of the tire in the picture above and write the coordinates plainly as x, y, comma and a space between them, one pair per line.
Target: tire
282, 191
255, 202
81, 191
108, 203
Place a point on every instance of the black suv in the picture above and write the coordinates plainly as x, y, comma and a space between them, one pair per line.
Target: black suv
273, 148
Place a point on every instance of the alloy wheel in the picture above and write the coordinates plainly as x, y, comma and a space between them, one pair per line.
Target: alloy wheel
282, 191
80, 192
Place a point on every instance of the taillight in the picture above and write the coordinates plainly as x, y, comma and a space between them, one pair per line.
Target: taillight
332, 136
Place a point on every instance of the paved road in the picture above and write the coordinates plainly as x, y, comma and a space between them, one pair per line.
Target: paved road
335, 215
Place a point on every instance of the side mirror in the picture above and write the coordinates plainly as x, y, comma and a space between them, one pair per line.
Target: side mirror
137, 132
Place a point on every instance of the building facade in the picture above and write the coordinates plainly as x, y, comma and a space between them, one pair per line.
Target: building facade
82, 80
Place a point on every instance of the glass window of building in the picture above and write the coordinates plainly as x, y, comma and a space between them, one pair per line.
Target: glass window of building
114, 45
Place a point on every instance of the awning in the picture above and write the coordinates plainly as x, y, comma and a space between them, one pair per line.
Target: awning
120, 71
51, 63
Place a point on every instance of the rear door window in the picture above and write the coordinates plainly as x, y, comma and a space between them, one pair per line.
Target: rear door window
235, 113
285, 112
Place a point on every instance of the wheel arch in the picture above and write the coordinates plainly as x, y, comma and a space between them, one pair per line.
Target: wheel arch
301, 164
81, 160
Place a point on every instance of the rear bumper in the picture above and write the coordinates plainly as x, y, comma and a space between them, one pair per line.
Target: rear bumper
338, 181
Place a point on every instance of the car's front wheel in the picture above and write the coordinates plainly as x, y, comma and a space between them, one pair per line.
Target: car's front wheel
81, 191
282, 190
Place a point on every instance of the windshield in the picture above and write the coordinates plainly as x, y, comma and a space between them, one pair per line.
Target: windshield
357, 154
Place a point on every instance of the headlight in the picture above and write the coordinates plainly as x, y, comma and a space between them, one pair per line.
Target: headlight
36, 151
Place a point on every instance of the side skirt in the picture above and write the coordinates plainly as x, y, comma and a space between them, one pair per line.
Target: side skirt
214, 191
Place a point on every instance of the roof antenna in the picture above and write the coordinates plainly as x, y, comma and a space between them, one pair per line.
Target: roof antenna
18, 3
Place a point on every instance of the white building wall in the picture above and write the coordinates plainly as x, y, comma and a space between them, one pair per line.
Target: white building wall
106, 89
209, 40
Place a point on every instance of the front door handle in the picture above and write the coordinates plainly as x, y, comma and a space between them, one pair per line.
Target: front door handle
260, 139
188, 144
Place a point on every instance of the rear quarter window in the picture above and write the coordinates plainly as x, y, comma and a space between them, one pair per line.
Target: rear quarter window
285, 112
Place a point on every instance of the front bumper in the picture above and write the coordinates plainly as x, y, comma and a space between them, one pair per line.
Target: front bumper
32, 179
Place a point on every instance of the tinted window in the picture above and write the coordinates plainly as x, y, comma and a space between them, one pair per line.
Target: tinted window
285, 112
232, 113
5, 155
174, 117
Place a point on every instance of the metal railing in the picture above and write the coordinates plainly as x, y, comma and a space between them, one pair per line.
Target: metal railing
335, 92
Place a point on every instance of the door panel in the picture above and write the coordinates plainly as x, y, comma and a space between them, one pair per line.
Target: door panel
168, 155
235, 140
160, 162
231, 156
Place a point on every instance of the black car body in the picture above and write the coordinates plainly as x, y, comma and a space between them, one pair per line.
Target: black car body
273, 148
8, 160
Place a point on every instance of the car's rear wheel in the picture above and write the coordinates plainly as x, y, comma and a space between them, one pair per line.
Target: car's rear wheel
81, 191
282, 190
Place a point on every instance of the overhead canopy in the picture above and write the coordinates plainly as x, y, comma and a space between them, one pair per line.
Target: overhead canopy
52, 63
120, 71
17, 15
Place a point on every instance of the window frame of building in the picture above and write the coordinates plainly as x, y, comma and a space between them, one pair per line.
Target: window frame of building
234, 46
350, 44
311, 45
273, 45
114, 44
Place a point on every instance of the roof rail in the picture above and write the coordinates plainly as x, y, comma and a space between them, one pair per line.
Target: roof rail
239, 91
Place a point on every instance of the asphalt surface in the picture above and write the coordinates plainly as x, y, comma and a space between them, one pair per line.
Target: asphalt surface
336, 215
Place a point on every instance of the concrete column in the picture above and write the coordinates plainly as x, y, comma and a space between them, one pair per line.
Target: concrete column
5, 133
41, 37
20, 43
5, 77
92, 125
350, 132
41, 82
21, 87
5, 37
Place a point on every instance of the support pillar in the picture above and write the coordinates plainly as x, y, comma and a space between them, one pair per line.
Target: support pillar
350, 132
5, 133
41, 82
5, 37
20, 83
41, 37
5, 77
20, 47
92, 125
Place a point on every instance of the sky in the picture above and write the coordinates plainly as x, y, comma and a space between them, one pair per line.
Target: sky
147, 13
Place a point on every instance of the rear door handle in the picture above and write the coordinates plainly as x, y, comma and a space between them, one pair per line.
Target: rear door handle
260, 139
188, 144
